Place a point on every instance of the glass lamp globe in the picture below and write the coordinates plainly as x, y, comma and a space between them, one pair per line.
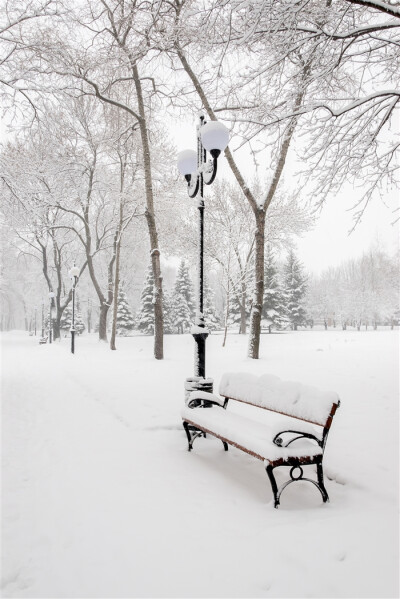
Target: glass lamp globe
51, 294
187, 162
74, 272
214, 136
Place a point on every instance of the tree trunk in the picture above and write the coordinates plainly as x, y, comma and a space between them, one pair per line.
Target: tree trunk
226, 316
256, 308
151, 223
117, 245
56, 327
89, 316
104, 307
243, 316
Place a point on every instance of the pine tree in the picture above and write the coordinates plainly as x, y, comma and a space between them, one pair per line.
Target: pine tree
66, 320
168, 313
183, 303
211, 318
181, 314
295, 287
184, 287
145, 316
125, 319
273, 311
235, 308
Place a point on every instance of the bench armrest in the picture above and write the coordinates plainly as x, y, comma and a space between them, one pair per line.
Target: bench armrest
204, 399
280, 440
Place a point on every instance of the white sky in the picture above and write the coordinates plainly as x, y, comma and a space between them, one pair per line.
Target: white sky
329, 243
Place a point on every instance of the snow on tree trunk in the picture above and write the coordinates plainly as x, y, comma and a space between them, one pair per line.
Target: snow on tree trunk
256, 308
151, 221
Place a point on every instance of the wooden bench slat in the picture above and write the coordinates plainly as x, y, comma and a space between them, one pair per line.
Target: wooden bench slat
256, 437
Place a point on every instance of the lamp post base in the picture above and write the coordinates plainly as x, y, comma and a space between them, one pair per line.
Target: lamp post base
197, 383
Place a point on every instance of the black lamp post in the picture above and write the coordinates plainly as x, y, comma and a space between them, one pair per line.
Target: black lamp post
73, 273
213, 137
51, 296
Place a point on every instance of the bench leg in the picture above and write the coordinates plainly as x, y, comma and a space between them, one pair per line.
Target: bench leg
274, 486
320, 474
197, 433
277, 492
189, 436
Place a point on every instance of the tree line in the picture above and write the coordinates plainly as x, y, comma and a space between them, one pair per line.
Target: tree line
361, 292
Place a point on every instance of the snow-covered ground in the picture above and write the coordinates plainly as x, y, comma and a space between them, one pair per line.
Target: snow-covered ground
102, 499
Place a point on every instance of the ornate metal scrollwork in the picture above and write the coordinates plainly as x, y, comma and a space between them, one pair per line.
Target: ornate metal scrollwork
296, 477
278, 440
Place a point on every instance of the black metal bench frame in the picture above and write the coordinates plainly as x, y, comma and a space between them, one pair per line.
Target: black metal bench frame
296, 464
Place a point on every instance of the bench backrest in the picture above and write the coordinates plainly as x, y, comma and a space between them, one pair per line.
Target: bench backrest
285, 397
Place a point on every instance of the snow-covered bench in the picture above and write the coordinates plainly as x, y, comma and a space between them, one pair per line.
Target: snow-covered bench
276, 443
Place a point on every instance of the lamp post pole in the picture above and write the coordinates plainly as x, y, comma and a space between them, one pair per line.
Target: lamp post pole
212, 136
73, 273
51, 296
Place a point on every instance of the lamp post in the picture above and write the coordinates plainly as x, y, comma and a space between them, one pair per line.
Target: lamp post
51, 296
213, 137
35, 320
73, 273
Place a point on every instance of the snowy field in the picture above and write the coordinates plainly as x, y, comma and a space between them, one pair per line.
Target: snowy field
100, 497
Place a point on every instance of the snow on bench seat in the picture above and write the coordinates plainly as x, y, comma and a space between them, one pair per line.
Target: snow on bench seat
255, 437
286, 397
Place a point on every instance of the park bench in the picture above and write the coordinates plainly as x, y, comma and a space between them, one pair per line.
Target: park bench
275, 440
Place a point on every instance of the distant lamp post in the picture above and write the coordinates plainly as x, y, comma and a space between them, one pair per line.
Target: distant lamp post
35, 320
51, 297
73, 273
213, 137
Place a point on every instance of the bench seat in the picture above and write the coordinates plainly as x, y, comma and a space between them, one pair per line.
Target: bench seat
249, 435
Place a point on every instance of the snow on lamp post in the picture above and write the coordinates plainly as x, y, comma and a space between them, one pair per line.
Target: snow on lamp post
73, 273
213, 137
51, 297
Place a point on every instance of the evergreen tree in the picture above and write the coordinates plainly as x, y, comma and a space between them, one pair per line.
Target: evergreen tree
125, 319
273, 311
182, 317
183, 303
235, 308
295, 287
145, 316
168, 312
66, 320
211, 317
184, 287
